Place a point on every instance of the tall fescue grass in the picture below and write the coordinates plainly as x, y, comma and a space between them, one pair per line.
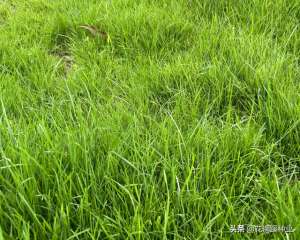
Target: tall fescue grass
184, 121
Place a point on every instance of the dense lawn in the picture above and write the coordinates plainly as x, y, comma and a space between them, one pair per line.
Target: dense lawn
139, 119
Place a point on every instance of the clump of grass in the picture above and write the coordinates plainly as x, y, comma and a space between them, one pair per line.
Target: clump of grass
183, 123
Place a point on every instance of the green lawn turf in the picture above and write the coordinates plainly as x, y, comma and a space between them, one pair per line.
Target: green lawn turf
165, 119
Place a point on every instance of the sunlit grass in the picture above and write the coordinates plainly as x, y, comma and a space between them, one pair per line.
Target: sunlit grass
160, 120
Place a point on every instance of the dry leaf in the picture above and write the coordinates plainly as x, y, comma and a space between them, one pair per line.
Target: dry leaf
94, 31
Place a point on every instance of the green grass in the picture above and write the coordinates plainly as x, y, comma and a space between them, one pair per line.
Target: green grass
183, 121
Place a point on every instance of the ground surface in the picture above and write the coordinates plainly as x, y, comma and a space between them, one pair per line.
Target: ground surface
142, 119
